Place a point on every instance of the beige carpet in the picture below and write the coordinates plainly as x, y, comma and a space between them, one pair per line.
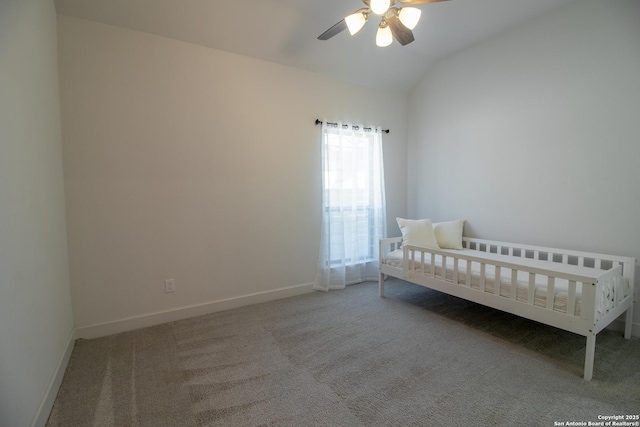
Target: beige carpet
348, 358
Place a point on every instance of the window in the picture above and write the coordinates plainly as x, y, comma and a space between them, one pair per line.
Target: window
353, 205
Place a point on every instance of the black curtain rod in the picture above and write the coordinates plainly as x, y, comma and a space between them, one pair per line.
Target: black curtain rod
319, 122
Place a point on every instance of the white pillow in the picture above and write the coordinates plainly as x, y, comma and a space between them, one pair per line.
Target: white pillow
449, 234
418, 232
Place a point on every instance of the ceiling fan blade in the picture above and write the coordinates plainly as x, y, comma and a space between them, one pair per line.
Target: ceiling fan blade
410, 2
338, 28
399, 31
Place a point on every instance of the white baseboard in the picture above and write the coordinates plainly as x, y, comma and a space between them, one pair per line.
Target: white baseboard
618, 325
44, 409
157, 318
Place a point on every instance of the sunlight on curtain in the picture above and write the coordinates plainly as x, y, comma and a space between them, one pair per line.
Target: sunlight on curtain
353, 206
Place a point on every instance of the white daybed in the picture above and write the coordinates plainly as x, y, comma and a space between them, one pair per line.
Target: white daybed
576, 291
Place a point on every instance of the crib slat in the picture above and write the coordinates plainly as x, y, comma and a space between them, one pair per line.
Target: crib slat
483, 270
433, 265
422, 262
598, 263
443, 270
468, 274
532, 289
455, 271
581, 261
497, 281
565, 259
571, 298
514, 283
551, 292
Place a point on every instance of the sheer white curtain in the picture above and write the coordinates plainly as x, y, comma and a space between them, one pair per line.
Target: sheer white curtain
353, 206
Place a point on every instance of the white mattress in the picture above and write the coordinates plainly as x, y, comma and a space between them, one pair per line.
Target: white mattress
561, 286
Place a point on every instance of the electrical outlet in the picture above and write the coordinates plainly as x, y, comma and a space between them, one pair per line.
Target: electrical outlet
170, 285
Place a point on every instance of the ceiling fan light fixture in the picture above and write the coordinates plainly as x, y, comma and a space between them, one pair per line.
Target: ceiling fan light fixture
380, 7
355, 21
384, 36
409, 16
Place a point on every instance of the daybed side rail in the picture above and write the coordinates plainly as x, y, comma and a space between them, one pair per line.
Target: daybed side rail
411, 250
564, 256
420, 267
453, 275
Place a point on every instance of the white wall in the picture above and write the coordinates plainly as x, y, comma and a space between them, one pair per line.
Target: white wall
35, 305
195, 164
534, 135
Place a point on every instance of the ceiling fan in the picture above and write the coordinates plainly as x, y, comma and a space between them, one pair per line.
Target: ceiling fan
395, 23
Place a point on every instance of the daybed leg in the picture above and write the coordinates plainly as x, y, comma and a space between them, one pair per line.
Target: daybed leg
589, 357
381, 284
628, 323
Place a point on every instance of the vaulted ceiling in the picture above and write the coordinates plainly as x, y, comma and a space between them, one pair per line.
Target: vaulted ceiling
286, 31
